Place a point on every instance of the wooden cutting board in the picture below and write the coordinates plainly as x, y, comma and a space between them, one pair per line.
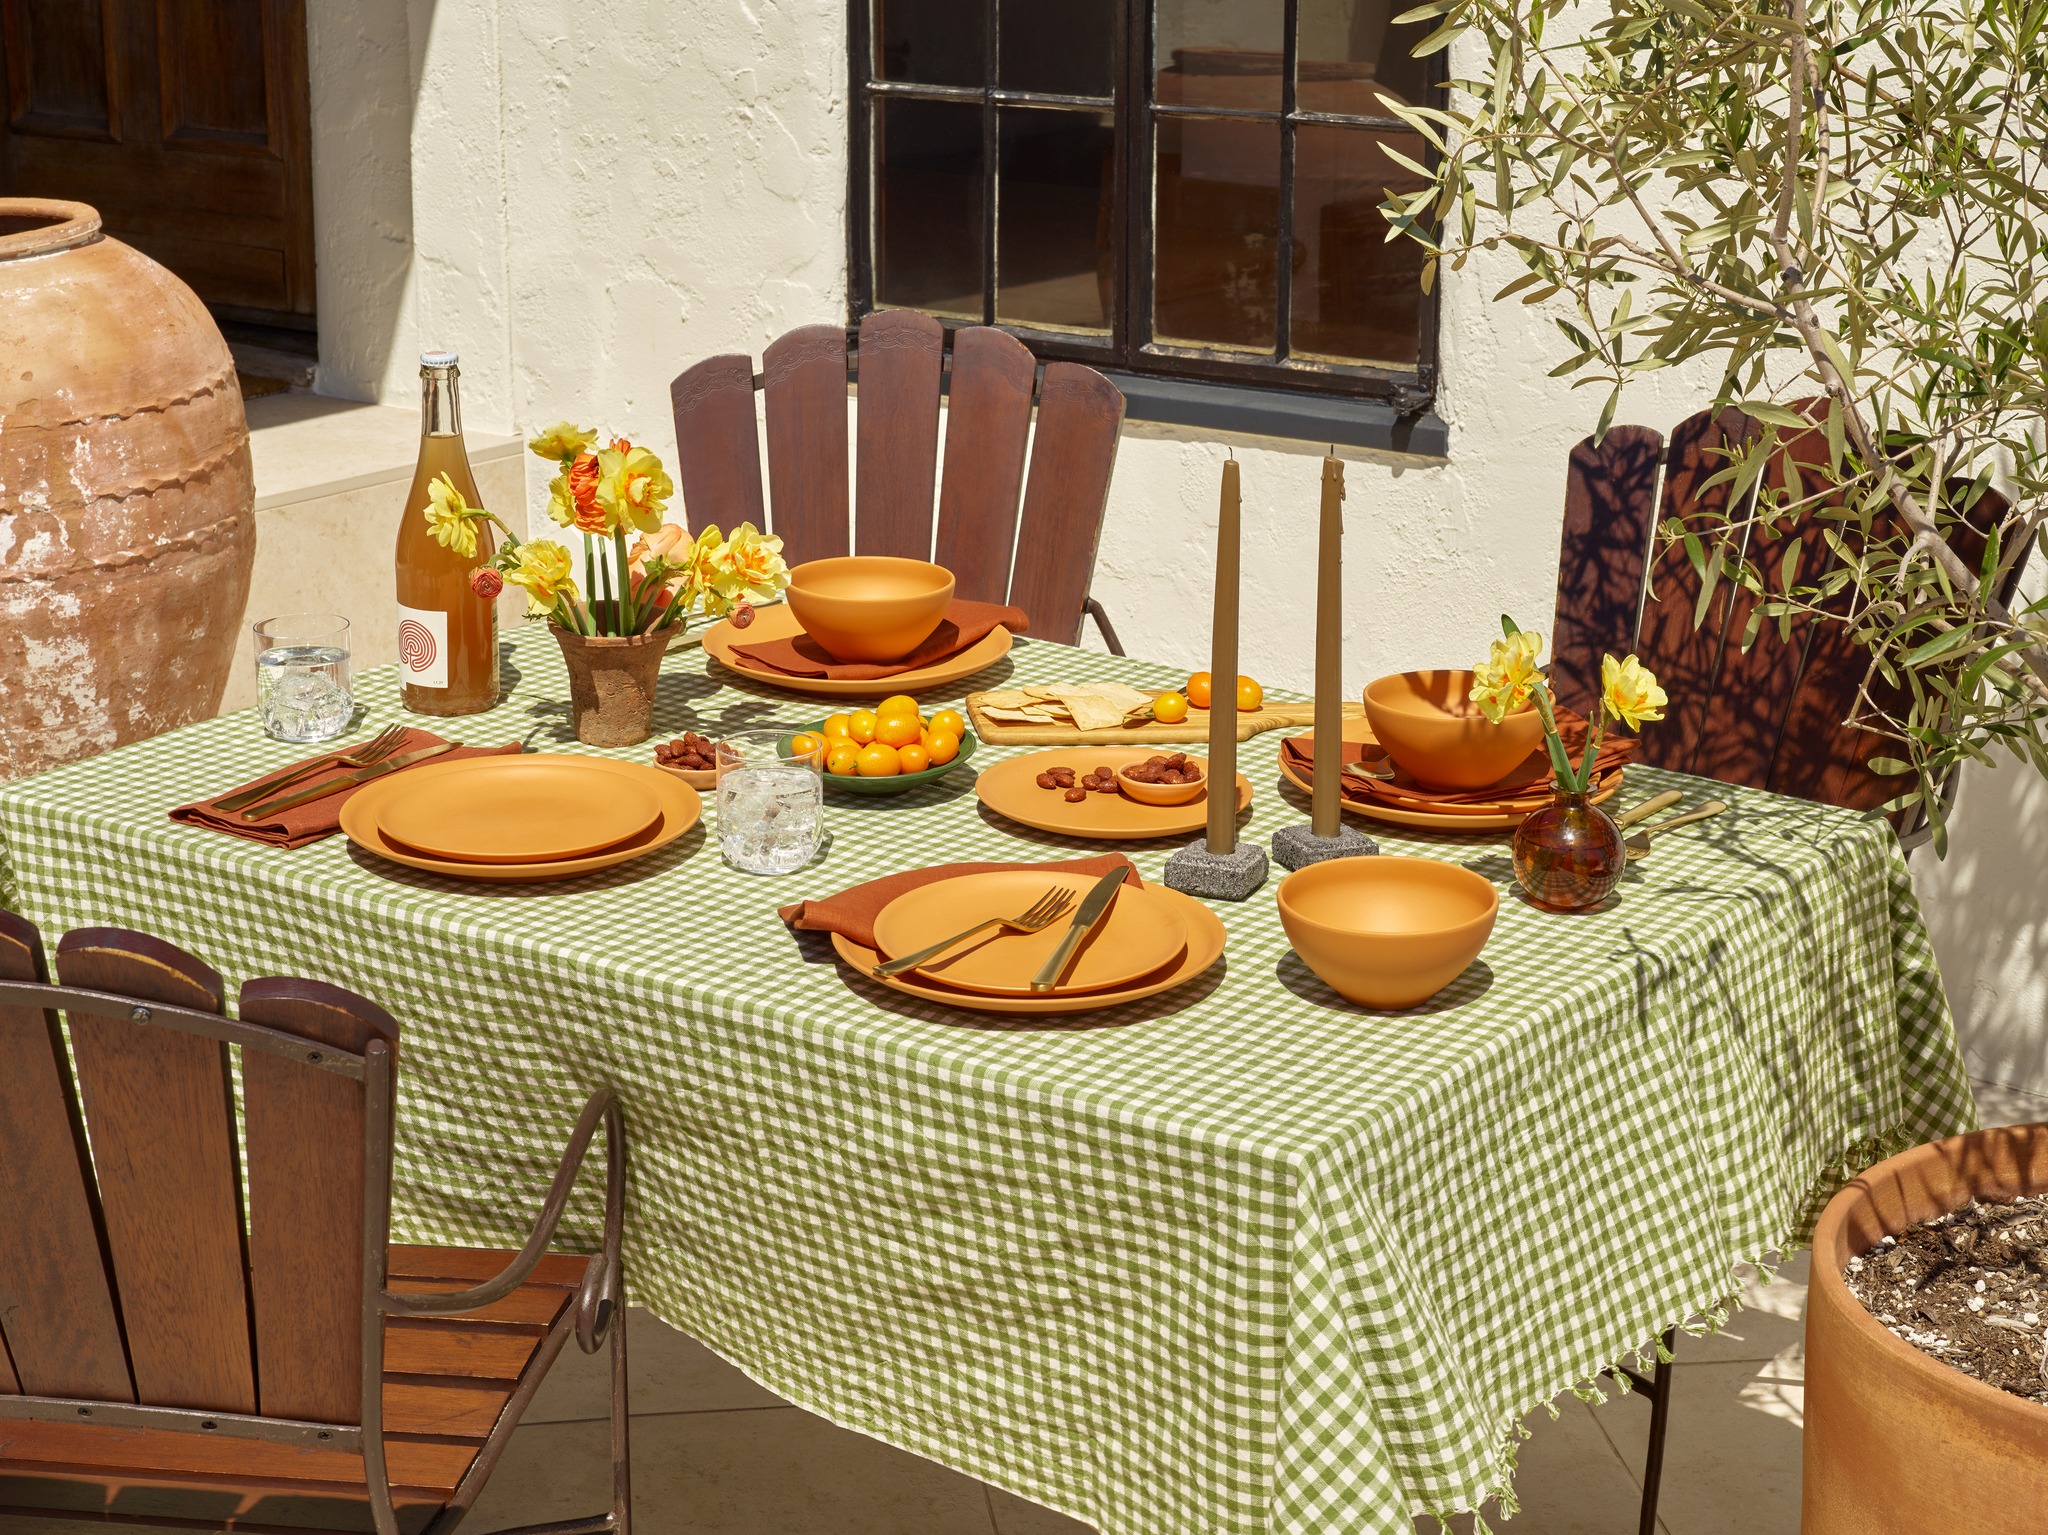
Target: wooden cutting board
1195, 728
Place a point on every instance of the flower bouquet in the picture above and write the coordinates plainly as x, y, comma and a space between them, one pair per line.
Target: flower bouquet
614, 625
1568, 855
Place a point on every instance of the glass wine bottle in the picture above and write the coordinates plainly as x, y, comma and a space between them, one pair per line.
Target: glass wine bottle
447, 635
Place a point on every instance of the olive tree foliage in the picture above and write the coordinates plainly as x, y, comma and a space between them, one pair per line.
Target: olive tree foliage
1841, 204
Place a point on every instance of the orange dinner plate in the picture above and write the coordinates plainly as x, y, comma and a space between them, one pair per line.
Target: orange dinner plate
1011, 790
1470, 819
536, 807
778, 623
1205, 938
1136, 936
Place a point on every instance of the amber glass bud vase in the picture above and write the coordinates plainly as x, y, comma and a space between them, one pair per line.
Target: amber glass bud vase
1569, 855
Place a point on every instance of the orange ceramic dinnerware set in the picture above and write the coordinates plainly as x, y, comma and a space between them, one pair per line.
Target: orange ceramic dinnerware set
521, 819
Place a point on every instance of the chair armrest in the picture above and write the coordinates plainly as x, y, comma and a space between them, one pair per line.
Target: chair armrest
1090, 608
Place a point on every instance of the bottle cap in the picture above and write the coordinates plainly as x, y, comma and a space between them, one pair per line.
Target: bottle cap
438, 359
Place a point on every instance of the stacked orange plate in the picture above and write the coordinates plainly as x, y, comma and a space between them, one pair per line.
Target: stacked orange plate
1150, 940
521, 819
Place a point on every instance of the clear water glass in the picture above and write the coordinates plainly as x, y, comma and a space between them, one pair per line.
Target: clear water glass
302, 676
771, 802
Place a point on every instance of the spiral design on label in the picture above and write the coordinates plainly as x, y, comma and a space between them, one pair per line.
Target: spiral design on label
415, 646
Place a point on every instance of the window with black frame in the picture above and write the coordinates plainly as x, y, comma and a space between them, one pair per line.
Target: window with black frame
1116, 181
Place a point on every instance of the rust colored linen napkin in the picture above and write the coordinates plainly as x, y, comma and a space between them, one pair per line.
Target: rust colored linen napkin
321, 817
1528, 780
852, 912
965, 625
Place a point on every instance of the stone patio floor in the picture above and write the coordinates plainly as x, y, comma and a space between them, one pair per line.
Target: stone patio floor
715, 1454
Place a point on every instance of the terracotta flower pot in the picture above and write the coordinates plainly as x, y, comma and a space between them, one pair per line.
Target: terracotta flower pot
1896, 1442
611, 685
127, 505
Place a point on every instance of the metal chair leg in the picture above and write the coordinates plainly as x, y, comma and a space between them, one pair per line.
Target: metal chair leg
622, 1420
1093, 609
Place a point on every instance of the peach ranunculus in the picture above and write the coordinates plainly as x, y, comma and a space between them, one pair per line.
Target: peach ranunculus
632, 486
1507, 678
1629, 690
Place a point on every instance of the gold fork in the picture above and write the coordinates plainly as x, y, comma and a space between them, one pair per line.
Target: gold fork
1041, 913
371, 752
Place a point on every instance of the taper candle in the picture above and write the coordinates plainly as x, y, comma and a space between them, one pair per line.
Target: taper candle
1324, 814
1223, 673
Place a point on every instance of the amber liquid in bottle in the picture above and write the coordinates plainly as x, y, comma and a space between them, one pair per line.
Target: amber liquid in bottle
447, 635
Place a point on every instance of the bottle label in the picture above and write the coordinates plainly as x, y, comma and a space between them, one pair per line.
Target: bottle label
422, 647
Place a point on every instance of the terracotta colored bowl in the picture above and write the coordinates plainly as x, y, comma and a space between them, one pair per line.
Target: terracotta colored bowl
1387, 932
1430, 726
1896, 1442
1164, 793
870, 607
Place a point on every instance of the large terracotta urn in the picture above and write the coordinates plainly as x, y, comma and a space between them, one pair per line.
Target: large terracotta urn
1896, 1442
127, 505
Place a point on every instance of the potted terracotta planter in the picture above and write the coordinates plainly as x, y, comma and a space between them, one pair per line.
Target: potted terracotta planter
1898, 1443
611, 684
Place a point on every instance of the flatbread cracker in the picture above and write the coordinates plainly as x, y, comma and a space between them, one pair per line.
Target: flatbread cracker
1007, 698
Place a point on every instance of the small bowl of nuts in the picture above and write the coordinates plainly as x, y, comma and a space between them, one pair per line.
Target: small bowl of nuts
689, 758
1164, 780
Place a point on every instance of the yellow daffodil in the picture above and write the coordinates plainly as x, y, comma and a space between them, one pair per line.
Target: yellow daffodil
703, 558
1506, 679
543, 568
632, 487
561, 441
750, 566
1629, 690
450, 518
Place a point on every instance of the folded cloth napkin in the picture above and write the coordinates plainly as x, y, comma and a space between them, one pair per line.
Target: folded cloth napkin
852, 912
321, 817
965, 625
1528, 780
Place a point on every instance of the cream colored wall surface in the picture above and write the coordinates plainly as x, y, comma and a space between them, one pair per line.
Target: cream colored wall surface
601, 195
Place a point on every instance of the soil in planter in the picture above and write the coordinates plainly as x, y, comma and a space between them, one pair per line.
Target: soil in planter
1969, 1289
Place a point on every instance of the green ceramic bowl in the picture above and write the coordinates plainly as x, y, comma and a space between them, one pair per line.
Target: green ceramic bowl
901, 783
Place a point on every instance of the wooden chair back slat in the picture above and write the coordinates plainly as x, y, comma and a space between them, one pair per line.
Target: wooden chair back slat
900, 367
1072, 454
718, 459
304, 1131
160, 1115
1610, 516
988, 429
1755, 688
1685, 657
58, 1322
804, 389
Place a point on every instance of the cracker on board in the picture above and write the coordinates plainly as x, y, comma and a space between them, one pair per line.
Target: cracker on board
1007, 698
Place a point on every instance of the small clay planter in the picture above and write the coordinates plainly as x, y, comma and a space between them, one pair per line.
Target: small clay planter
611, 685
1896, 1442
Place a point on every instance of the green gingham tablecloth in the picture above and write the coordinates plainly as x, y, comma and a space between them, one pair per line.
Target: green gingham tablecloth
1240, 1259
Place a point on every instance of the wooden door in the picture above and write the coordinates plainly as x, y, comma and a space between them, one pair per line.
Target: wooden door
185, 123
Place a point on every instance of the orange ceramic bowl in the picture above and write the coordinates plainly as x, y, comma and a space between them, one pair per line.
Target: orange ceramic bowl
1384, 931
1165, 793
1430, 727
870, 607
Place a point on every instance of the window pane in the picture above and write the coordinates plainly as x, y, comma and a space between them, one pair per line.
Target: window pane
1054, 265
931, 42
1351, 53
1062, 47
928, 181
1216, 215
1219, 53
1357, 297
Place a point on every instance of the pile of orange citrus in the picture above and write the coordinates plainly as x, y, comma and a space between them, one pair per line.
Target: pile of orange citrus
891, 738
1172, 708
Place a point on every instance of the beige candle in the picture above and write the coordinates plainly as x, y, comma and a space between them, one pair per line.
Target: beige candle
1324, 815
1223, 674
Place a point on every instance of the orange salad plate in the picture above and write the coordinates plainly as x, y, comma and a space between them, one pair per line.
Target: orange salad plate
1011, 790
1506, 816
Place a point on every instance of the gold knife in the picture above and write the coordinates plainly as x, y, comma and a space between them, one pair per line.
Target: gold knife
346, 781
1093, 905
1649, 807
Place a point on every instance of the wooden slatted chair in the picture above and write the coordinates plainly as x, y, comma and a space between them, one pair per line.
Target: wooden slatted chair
1771, 717
901, 361
163, 1342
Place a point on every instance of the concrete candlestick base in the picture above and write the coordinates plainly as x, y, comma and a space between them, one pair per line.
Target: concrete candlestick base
1296, 847
1231, 876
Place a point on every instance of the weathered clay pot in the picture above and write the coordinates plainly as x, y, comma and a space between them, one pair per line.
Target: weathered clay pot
611, 685
1896, 1442
127, 505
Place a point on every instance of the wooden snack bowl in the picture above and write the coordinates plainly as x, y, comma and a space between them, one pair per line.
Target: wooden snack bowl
1429, 725
1387, 932
869, 607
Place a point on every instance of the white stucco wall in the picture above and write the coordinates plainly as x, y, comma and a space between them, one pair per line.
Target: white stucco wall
586, 199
